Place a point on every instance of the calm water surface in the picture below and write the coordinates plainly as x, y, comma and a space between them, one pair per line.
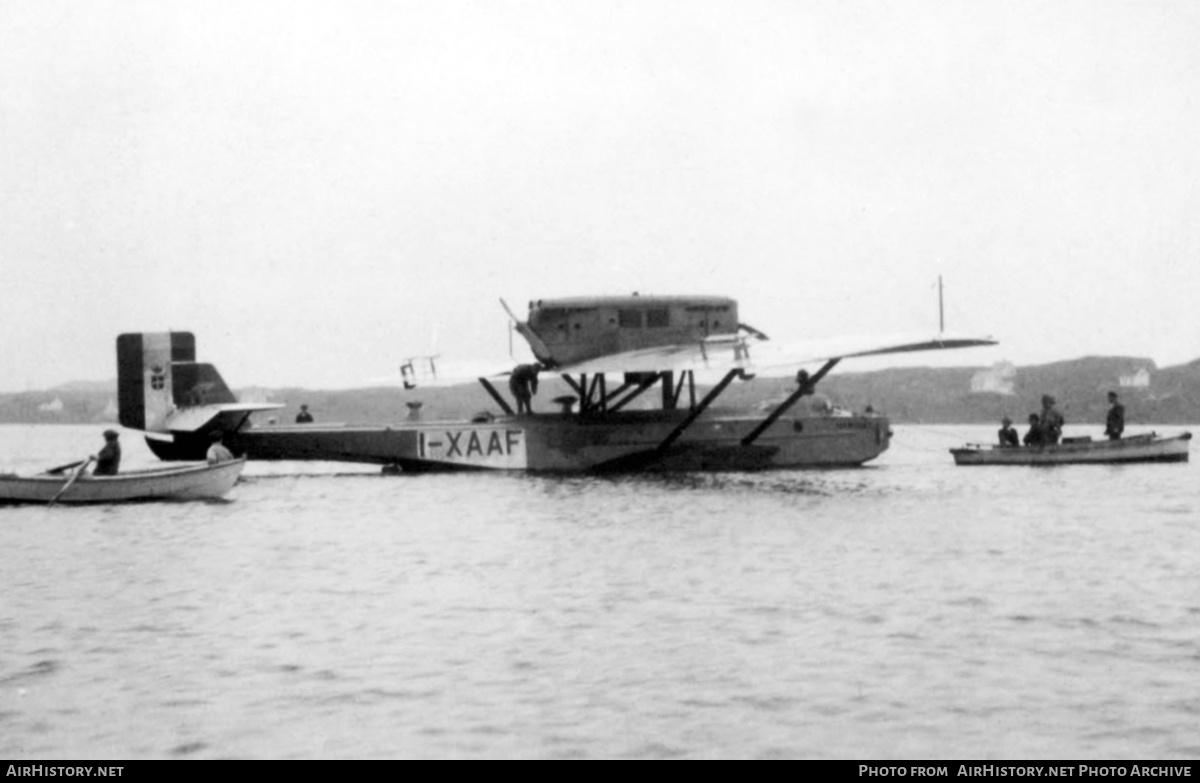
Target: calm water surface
907, 610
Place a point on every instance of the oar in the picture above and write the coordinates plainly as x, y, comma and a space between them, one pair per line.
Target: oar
61, 468
71, 481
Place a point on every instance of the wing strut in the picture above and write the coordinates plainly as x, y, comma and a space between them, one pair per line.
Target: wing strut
593, 398
490, 389
806, 387
700, 408
643, 381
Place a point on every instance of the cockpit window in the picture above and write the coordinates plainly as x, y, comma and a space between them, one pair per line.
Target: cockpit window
549, 314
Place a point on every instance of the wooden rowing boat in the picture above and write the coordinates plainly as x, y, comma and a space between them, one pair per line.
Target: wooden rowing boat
1080, 451
189, 482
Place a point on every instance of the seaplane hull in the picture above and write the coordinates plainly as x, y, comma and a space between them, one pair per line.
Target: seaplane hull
629, 441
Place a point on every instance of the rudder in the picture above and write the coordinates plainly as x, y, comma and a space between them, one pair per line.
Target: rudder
157, 374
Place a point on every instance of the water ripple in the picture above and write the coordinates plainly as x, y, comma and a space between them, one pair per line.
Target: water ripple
912, 610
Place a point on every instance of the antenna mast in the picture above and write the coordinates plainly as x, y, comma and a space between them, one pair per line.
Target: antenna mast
941, 310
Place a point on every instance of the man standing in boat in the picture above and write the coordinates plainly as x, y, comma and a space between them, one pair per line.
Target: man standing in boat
1052, 421
1115, 424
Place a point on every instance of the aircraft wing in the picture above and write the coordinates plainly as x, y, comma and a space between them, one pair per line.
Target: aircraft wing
434, 371
767, 357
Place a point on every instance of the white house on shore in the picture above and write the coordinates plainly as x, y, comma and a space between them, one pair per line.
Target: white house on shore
1138, 380
1000, 378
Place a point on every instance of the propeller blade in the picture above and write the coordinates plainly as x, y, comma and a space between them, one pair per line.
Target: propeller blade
508, 310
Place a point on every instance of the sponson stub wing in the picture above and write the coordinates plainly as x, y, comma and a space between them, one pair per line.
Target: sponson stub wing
757, 356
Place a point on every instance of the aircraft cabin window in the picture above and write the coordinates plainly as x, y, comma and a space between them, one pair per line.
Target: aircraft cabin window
630, 319
551, 314
658, 318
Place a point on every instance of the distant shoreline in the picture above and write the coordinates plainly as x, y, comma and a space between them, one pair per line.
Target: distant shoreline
921, 395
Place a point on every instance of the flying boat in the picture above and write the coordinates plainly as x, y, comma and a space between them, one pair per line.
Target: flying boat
610, 351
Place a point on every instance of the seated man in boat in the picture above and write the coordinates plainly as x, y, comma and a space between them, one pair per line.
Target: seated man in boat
1052, 421
108, 460
217, 451
1034, 436
1008, 435
1115, 424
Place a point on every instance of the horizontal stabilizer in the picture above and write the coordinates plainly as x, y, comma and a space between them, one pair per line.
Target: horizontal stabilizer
226, 416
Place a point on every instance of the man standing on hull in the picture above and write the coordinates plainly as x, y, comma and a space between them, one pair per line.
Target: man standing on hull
523, 384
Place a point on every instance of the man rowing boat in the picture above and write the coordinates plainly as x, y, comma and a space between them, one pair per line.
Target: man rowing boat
108, 460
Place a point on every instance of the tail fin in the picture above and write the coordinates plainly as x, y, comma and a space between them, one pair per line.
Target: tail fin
158, 378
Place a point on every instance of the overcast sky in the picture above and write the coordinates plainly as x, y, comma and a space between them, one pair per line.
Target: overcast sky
317, 189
